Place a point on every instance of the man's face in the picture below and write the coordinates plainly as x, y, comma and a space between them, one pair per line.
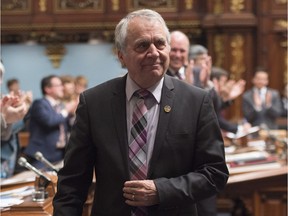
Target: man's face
260, 80
201, 60
179, 52
222, 81
15, 88
69, 88
147, 52
55, 90
79, 88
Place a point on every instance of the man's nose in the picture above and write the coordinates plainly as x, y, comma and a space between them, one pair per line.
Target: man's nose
152, 50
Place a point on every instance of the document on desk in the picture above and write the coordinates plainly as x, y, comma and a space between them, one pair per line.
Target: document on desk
247, 156
15, 181
253, 168
251, 161
241, 134
15, 196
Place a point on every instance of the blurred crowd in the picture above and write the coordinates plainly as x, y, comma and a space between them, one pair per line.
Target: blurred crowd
47, 120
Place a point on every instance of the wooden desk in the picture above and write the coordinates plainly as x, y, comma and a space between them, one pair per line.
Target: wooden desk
261, 193
30, 208
23, 139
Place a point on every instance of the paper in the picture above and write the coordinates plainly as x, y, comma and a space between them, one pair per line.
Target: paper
13, 181
253, 168
242, 133
247, 156
7, 202
18, 192
15, 196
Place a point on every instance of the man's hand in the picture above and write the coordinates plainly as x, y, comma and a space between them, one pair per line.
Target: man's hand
189, 78
13, 109
140, 193
237, 89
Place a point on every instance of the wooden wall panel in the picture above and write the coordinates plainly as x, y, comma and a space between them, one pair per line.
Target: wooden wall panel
272, 40
241, 35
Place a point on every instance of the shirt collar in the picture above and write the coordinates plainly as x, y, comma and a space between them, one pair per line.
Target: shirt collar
262, 90
51, 100
155, 90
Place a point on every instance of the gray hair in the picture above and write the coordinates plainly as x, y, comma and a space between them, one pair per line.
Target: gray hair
121, 28
217, 73
196, 50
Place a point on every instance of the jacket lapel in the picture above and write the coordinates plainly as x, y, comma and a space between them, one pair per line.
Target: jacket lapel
166, 109
118, 105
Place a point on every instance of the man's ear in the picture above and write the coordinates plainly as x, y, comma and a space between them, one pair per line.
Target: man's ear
47, 90
121, 58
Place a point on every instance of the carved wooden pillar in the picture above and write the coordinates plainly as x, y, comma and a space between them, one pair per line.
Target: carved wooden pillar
272, 40
230, 27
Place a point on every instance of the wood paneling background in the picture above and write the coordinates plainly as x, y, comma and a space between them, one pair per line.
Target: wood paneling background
240, 35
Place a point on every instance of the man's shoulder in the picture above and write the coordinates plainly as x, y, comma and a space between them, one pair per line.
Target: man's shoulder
112, 85
184, 85
183, 89
248, 92
40, 101
275, 91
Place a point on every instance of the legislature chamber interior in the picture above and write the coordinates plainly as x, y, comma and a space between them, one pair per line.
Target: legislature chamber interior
75, 40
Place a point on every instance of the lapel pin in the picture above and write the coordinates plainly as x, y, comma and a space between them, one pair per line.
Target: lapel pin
167, 108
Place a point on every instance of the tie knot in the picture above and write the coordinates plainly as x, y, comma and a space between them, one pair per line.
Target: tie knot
142, 93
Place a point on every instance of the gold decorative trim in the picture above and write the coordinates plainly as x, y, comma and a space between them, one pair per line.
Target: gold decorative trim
238, 66
95, 25
16, 7
84, 6
189, 4
115, 5
17, 27
281, 1
282, 24
219, 50
218, 7
237, 6
150, 3
183, 24
55, 53
42, 5
159, 5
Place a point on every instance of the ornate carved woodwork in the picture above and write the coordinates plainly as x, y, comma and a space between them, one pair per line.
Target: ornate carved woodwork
240, 35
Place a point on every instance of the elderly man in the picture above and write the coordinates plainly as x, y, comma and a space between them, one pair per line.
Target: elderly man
144, 136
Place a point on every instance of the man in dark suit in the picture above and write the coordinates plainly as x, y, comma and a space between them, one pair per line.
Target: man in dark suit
48, 123
261, 104
179, 68
184, 157
178, 55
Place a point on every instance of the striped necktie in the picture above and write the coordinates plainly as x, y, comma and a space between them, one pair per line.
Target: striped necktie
137, 146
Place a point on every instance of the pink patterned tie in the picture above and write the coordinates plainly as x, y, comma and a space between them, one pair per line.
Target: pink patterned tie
137, 146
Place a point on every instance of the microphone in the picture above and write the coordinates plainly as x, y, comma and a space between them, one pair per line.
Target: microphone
39, 156
44, 180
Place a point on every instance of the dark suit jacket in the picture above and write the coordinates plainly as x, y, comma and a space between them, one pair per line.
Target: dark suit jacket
44, 131
267, 115
187, 164
219, 105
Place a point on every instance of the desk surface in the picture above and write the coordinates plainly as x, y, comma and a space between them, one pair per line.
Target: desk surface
258, 175
30, 208
245, 183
